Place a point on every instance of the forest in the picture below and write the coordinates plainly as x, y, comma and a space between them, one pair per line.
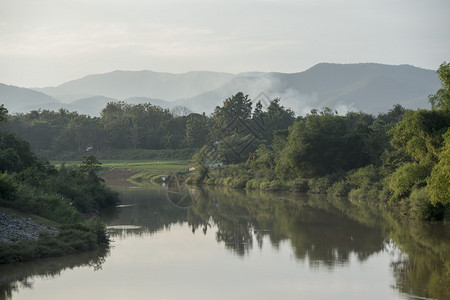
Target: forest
401, 158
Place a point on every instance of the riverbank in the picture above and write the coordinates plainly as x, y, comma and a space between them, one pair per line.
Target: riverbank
24, 239
363, 184
14, 229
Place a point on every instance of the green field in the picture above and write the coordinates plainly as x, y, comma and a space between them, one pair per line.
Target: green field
141, 170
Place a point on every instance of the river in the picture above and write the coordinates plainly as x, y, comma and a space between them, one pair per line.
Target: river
228, 244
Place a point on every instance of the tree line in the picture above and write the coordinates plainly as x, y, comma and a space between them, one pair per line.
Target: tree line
129, 126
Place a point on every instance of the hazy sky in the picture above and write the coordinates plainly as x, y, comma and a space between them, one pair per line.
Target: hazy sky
48, 42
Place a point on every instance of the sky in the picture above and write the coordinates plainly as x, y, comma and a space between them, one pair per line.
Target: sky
48, 42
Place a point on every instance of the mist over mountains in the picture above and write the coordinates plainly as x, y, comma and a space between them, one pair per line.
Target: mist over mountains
369, 87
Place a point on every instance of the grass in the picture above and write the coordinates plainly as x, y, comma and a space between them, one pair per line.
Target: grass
125, 154
71, 238
143, 170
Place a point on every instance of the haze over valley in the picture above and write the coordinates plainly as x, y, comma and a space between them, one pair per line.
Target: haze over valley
370, 87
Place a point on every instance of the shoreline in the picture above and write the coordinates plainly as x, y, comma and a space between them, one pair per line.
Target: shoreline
14, 229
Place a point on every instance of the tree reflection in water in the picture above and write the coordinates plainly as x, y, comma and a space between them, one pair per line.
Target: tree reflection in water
324, 232
21, 275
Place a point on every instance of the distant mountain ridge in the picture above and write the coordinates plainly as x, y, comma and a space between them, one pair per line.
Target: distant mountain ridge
369, 87
16, 99
130, 84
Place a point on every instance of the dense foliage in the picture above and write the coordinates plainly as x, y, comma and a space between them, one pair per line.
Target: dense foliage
31, 185
121, 126
400, 157
138, 127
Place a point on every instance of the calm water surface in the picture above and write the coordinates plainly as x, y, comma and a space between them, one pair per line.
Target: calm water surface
227, 244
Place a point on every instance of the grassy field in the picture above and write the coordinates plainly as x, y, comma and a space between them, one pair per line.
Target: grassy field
136, 170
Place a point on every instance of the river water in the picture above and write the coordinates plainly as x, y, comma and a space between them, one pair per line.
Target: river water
228, 244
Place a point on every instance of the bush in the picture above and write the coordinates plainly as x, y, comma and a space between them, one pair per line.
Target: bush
299, 185
365, 193
275, 185
239, 183
264, 185
227, 181
405, 177
270, 185
190, 181
51, 207
318, 185
253, 184
340, 188
421, 207
211, 181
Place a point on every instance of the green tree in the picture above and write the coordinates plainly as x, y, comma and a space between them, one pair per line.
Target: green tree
117, 125
3, 113
439, 181
419, 134
276, 117
90, 166
7, 186
201, 164
323, 144
406, 177
441, 100
232, 116
197, 130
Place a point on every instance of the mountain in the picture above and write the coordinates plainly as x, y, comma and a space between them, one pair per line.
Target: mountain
17, 99
90, 106
128, 84
369, 87
156, 102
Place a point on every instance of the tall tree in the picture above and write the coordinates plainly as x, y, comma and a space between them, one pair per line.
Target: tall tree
3, 113
197, 130
441, 100
232, 115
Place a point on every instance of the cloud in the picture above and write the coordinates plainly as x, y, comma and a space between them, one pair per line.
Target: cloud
230, 36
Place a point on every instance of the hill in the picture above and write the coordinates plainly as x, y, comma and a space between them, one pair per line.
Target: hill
17, 99
369, 87
372, 88
128, 84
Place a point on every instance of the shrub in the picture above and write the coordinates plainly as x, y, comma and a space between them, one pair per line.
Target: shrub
421, 207
211, 181
340, 188
239, 183
190, 181
299, 185
319, 185
52, 207
405, 177
264, 185
227, 180
253, 184
273, 185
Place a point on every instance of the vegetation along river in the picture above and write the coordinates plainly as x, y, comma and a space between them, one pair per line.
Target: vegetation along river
229, 244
